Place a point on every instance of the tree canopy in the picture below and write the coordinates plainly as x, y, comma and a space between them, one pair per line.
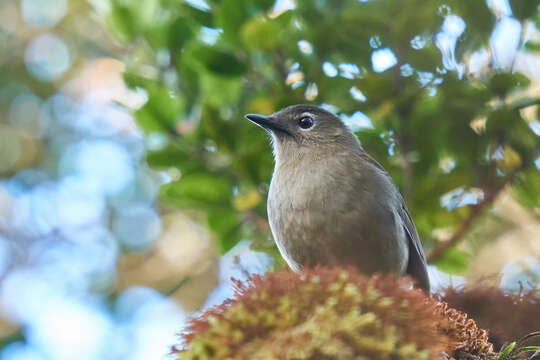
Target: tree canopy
431, 89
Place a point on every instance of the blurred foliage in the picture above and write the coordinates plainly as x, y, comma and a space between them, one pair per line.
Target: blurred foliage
507, 316
438, 129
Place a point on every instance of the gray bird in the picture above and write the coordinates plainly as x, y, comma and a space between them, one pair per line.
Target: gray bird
330, 203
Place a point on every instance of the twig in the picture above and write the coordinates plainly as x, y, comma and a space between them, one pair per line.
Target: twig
439, 250
177, 286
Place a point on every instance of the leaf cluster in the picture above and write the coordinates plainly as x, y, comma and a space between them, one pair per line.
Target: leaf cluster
448, 137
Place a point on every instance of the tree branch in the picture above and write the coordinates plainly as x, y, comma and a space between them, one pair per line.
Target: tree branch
478, 209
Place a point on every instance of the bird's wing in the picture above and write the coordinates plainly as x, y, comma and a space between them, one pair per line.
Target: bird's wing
417, 265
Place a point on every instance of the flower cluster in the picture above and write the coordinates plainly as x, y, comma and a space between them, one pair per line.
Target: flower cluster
470, 341
331, 313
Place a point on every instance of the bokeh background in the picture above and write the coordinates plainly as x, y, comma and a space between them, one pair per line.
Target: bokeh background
132, 189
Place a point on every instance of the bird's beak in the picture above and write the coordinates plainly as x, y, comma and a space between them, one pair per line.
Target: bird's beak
266, 122
261, 120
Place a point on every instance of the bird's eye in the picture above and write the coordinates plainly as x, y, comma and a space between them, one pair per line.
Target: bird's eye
305, 122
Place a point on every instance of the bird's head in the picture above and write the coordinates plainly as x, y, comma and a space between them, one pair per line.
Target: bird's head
301, 129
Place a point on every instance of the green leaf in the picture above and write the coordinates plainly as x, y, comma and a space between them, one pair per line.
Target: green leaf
129, 18
506, 351
220, 61
262, 34
171, 155
477, 15
231, 14
133, 80
145, 12
527, 349
189, 81
219, 91
524, 9
121, 21
521, 137
148, 121
454, 261
527, 188
179, 32
199, 190
425, 59
501, 83
500, 120
205, 18
532, 46
227, 225
156, 37
162, 110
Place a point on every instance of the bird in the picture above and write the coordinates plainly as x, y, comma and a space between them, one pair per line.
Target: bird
331, 204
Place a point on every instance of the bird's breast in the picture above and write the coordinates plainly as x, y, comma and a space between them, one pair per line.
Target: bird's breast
302, 202
327, 213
